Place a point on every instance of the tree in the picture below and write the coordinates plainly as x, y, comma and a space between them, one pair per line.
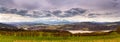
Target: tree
118, 29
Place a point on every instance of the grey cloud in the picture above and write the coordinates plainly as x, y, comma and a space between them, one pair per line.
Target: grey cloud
69, 13
58, 13
97, 5
110, 4
30, 6
7, 3
75, 11
3, 10
90, 4
36, 4
44, 13
13, 11
93, 15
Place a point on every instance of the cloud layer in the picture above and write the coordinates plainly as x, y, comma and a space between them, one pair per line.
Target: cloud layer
53, 4
84, 10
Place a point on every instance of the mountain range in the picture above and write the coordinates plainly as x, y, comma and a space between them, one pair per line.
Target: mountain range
92, 26
7, 27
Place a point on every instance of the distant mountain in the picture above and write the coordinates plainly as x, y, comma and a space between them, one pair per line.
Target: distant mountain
40, 22
62, 25
93, 26
7, 27
53, 21
25, 23
58, 22
117, 23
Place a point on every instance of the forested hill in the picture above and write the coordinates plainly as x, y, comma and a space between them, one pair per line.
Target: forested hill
7, 27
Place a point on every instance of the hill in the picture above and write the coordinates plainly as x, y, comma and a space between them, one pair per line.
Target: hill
7, 27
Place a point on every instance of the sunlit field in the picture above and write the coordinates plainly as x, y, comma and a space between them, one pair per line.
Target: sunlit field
113, 37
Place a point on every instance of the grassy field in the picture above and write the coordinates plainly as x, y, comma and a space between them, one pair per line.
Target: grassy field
113, 37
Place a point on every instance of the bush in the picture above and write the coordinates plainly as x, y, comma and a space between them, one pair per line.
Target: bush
118, 29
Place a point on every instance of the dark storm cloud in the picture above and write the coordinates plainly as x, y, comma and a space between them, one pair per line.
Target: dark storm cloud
44, 13
69, 13
13, 11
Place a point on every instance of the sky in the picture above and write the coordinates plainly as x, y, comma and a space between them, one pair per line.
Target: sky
71, 10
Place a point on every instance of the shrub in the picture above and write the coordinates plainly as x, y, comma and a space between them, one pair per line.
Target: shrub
118, 29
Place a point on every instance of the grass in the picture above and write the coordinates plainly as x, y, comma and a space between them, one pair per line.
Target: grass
113, 37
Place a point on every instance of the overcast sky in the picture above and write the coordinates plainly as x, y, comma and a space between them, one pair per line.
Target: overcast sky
113, 6
35, 4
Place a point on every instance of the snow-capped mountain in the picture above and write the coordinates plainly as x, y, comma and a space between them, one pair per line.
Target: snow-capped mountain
41, 22
53, 21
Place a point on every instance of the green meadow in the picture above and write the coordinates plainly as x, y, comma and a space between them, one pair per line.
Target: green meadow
112, 37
